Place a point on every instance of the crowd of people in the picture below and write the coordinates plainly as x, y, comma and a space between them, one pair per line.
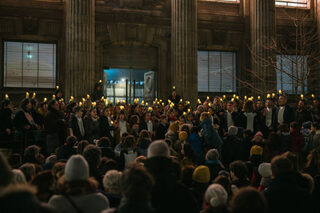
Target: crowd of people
224, 156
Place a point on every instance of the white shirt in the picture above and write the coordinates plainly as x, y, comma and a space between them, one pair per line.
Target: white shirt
268, 117
80, 124
229, 120
123, 127
280, 114
250, 120
150, 126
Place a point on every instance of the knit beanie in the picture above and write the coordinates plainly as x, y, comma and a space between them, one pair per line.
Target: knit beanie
265, 169
174, 127
76, 168
201, 174
256, 150
183, 135
216, 195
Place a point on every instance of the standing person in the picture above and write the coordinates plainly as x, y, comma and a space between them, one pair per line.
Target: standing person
268, 122
211, 138
97, 92
55, 127
285, 114
162, 128
6, 124
174, 97
23, 120
91, 125
105, 128
315, 109
250, 116
168, 195
76, 126
302, 113
78, 190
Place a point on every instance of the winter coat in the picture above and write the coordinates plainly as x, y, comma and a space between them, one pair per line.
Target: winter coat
168, 195
210, 135
297, 141
91, 128
196, 143
285, 195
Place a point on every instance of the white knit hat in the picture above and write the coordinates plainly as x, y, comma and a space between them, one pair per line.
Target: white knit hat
265, 169
216, 195
76, 168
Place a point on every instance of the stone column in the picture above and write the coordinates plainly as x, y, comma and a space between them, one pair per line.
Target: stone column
79, 73
263, 57
314, 78
184, 47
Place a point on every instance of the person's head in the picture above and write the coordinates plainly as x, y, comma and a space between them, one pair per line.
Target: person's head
76, 169
58, 170
230, 107
308, 179
269, 103
238, 170
79, 111
26, 105
164, 119
280, 165
32, 152
93, 112
224, 181
111, 181
129, 143
216, 195
44, 183
71, 141
144, 134
104, 142
147, 116
29, 171
248, 200
183, 135
259, 104
18, 177
264, 170
200, 108
136, 184
233, 130
5, 171
53, 105
294, 126
186, 175
7, 104
204, 116
201, 174
158, 148
293, 158
283, 128
81, 146
282, 100
249, 106
92, 154
212, 155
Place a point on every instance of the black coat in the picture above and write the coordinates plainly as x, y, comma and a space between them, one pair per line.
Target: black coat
105, 128
285, 194
73, 124
20, 121
288, 115
303, 115
161, 131
230, 150
168, 195
6, 123
92, 129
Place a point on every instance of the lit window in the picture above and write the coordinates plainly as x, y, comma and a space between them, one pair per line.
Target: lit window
228, 1
293, 3
216, 71
29, 65
292, 73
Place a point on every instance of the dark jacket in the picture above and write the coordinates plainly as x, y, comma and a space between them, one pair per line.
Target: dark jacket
303, 115
284, 194
105, 128
92, 129
161, 131
297, 141
288, 115
73, 124
6, 123
168, 195
196, 143
230, 150
210, 135
65, 152
215, 167
20, 121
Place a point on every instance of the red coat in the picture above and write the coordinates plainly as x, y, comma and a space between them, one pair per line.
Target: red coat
297, 141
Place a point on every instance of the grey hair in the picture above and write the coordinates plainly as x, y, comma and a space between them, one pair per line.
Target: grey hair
158, 148
111, 180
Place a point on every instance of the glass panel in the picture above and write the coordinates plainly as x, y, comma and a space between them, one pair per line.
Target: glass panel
227, 71
29, 65
203, 65
293, 3
214, 71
